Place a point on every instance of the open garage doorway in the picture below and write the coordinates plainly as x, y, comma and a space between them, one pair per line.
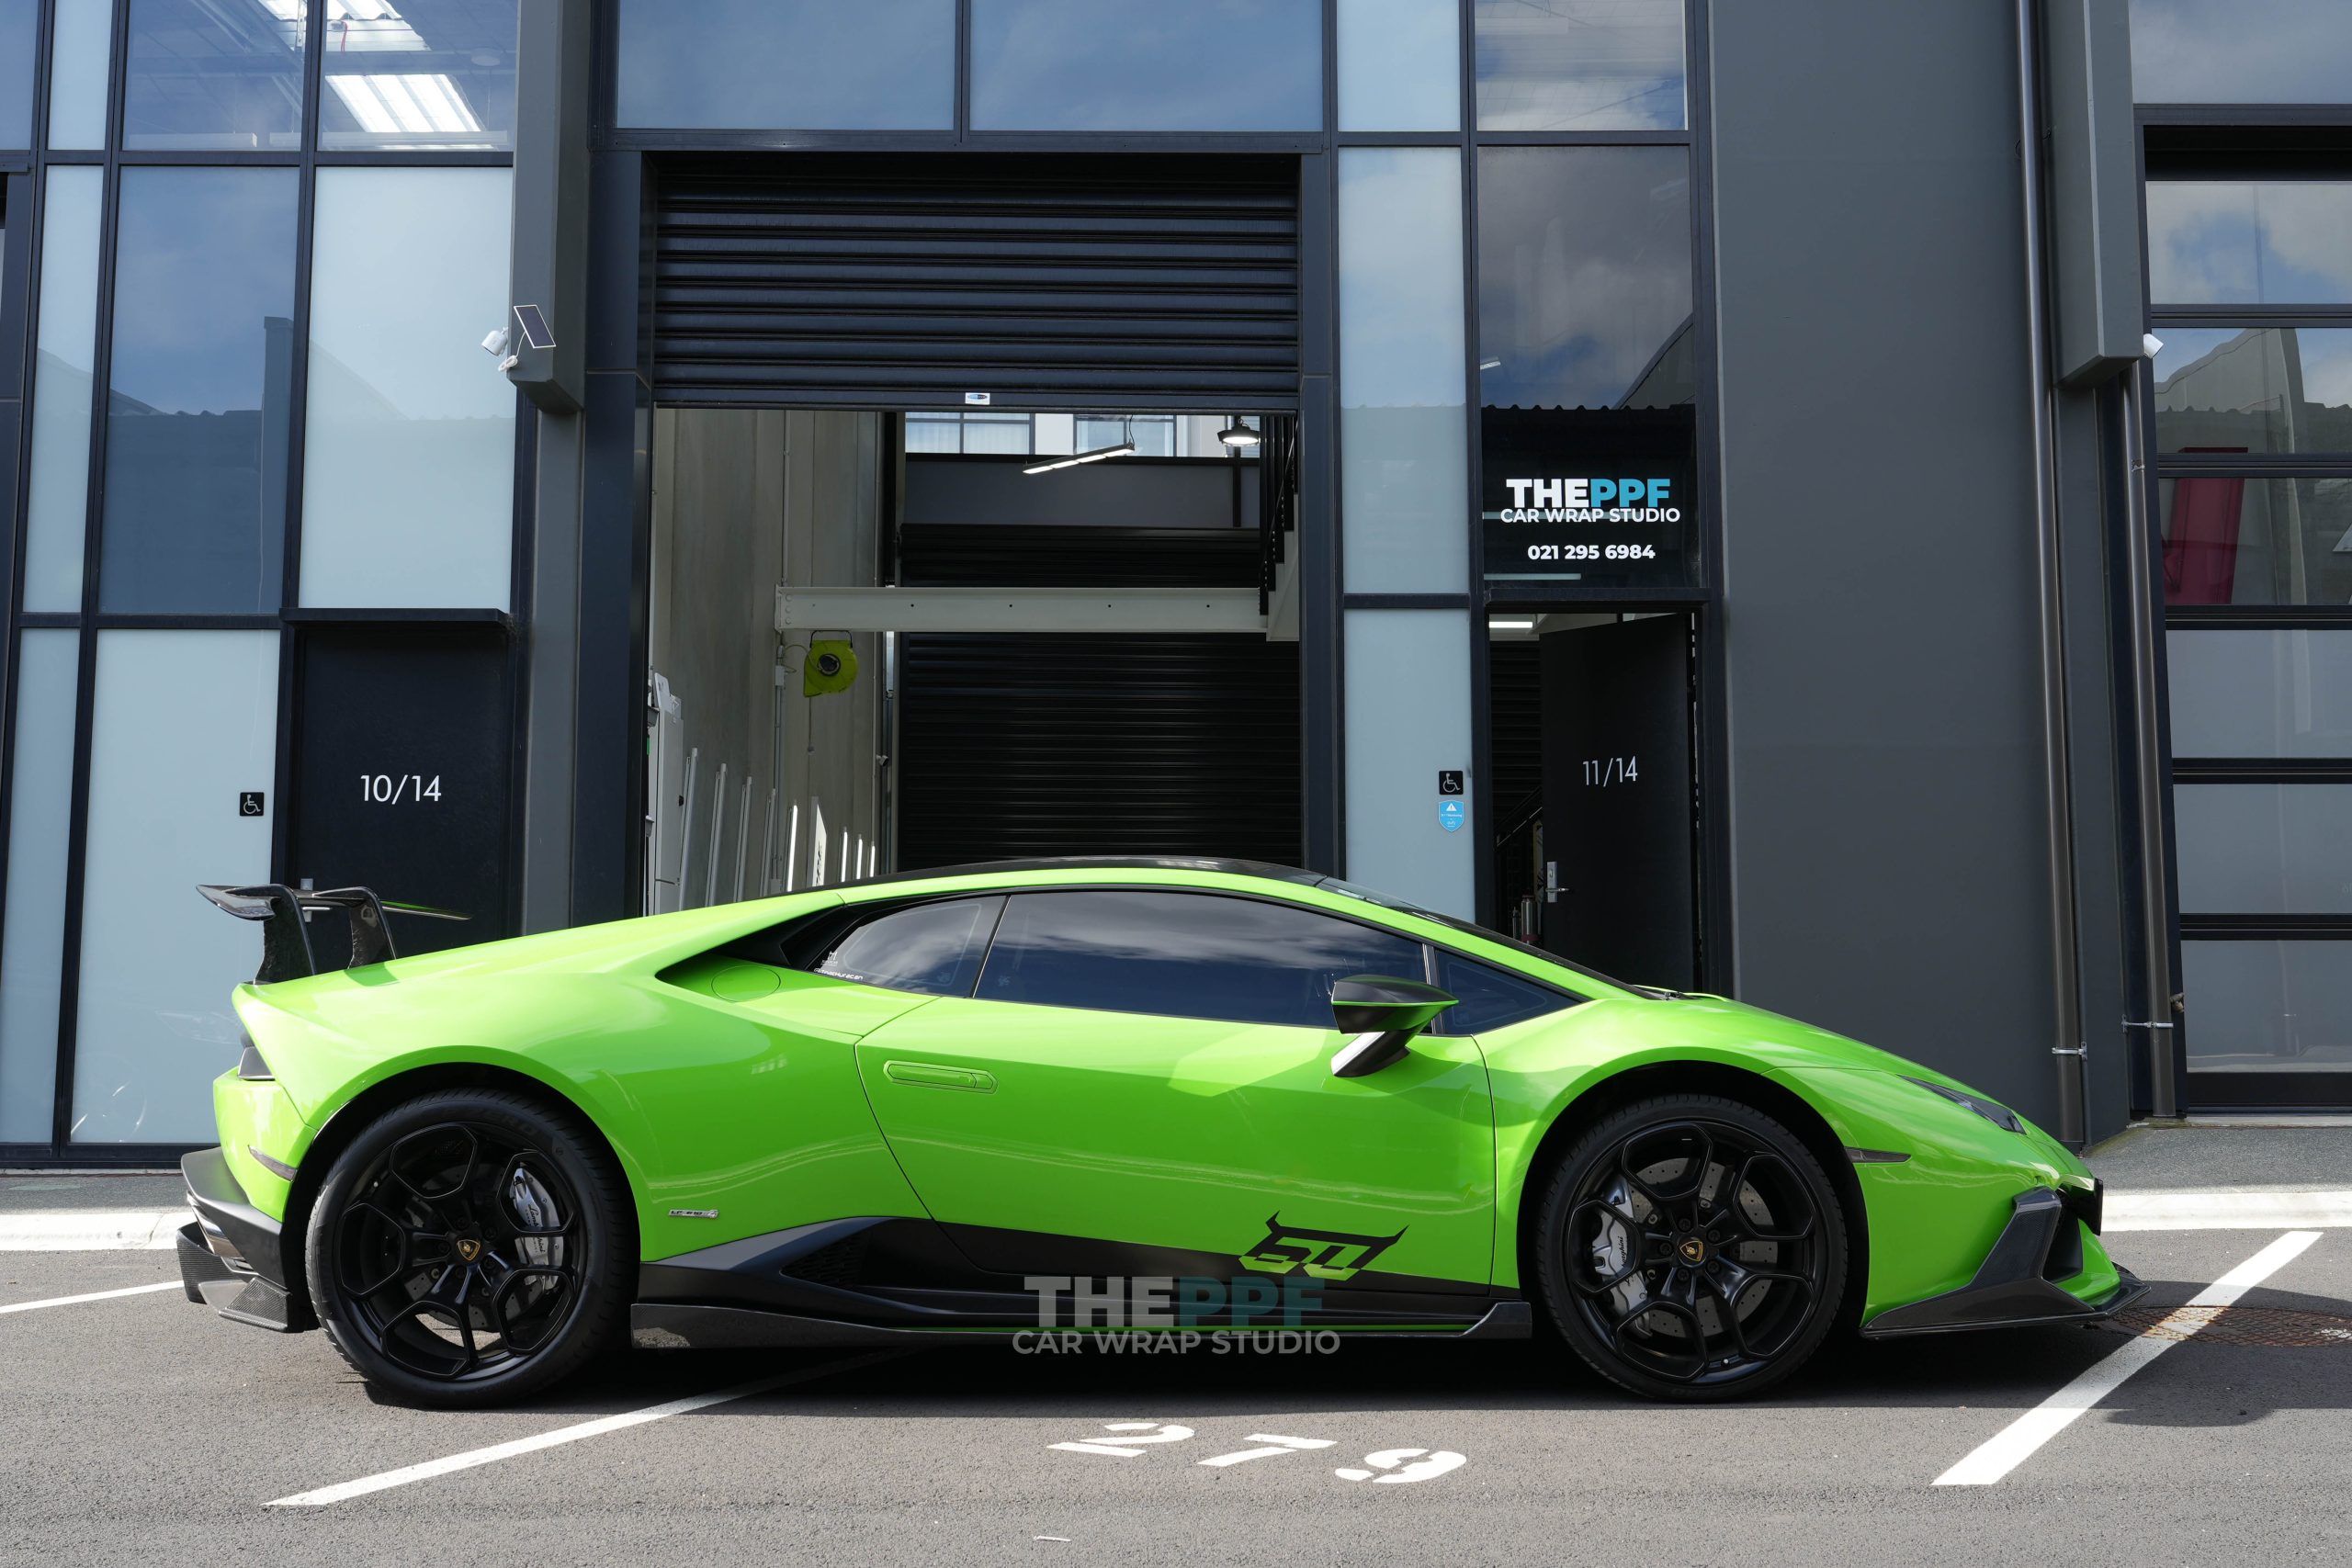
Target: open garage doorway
884, 641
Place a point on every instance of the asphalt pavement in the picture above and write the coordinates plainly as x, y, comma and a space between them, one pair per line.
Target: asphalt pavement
141, 1427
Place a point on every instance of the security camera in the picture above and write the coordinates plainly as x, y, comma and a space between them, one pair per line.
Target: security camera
495, 343
2151, 344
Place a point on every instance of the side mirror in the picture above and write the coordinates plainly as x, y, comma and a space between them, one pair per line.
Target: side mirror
1383, 1014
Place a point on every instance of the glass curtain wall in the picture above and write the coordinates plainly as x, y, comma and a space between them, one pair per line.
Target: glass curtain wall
2250, 291
267, 437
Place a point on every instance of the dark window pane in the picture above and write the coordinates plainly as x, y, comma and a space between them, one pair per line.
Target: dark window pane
2260, 694
198, 396
212, 76
19, 29
2264, 849
2254, 390
2268, 1007
1580, 64
1584, 277
932, 948
1147, 66
1490, 999
2249, 242
431, 74
2241, 51
787, 65
1185, 955
2243, 540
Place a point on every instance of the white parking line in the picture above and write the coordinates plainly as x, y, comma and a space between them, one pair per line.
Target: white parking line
92, 1296
572, 1434
2016, 1443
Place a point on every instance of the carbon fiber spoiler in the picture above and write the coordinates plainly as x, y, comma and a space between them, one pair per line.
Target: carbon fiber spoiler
284, 913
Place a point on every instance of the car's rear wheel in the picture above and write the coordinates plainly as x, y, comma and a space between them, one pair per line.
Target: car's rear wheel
469, 1246
1691, 1247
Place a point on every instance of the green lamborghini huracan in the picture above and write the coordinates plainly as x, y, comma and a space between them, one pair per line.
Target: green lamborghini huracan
1143, 1097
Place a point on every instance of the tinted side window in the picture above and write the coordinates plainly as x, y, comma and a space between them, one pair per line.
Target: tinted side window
932, 948
1186, 955
1490, 999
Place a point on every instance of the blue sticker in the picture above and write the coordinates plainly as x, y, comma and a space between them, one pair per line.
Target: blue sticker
1451, 814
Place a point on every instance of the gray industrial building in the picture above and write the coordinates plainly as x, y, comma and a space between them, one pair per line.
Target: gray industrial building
1840, 503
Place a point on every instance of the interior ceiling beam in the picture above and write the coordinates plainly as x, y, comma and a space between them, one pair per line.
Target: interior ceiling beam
1018, 610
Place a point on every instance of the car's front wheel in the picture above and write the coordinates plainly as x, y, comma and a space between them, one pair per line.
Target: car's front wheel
1691, 1247
469, 1246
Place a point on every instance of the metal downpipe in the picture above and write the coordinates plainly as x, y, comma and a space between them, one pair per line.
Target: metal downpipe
2066, 1046
2158, 1016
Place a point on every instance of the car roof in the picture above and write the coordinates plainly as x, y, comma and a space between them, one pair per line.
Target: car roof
1265, 870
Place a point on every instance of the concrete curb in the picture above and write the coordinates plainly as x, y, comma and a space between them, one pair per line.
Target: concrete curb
2226, 1211
91, 1230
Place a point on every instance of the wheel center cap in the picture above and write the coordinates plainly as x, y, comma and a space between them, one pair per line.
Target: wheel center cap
469, 1248
1692, 1250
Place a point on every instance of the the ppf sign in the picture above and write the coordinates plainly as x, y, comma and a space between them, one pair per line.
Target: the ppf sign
1591, 501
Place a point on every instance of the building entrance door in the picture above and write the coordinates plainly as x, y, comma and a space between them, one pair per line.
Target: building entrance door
1618, 798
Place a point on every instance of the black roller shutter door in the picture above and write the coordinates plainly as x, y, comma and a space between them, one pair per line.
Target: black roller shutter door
1016, 745
1141, 281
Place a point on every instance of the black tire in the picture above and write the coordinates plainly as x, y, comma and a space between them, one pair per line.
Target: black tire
470, 1247
1684, 1287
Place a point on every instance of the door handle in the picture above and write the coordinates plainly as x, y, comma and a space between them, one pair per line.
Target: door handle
930, 1075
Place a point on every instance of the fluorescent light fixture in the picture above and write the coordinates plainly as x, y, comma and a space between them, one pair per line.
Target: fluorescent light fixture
1238, 435
1124, 449
1491, 364
1510, 625
419, 105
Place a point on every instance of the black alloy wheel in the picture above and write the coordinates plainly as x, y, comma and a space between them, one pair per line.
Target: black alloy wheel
468, 1247
1691, 1247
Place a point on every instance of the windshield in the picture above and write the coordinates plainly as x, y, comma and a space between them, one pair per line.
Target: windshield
1349, 890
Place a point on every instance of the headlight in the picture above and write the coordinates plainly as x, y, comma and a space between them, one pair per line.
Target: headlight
1993, 1111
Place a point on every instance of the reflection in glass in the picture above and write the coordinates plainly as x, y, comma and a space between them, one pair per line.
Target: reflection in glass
58, 498
2254, 390
1183, 955
1401, 65
2246, 539
1580, 64
1147, 66
2260, 693
20, 39
2267, 1007
80, 39
2249, 242
204, 74
428, 73
1404, 469
40, 797
185, 721
1584, 277
1406, 671
2264, 849
2241, 51
932, 948
787, 65
408, 494
199, 389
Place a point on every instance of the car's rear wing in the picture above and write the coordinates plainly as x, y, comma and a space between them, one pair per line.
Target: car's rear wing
284, 913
